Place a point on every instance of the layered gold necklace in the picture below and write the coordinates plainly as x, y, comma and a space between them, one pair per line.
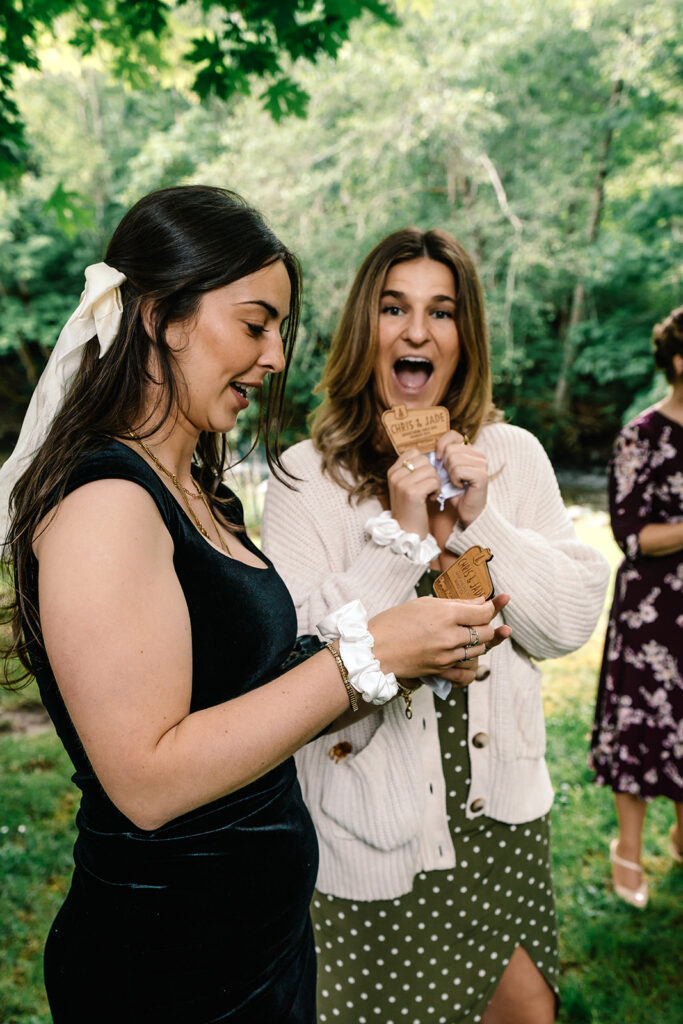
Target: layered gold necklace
185, 494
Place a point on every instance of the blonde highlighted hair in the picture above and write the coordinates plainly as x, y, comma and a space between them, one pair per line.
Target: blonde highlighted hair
345, 426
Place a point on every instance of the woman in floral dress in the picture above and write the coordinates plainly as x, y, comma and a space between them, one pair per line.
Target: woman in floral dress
637, 744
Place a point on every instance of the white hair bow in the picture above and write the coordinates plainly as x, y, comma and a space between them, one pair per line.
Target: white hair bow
98, 313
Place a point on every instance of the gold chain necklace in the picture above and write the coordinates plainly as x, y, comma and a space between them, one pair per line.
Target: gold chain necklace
185, 495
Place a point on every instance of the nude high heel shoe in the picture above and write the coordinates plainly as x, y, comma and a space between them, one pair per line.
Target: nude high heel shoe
635, 897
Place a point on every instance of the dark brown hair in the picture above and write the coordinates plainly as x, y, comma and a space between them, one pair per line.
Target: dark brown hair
173, 246
344, 426
667, 338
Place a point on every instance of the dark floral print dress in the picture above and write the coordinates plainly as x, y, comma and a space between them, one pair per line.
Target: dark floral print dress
637, 743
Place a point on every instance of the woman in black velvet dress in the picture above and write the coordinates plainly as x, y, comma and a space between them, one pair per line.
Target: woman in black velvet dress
161, 636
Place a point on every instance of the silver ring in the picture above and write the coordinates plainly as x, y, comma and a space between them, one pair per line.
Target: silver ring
466, 649
409, 466
474, 637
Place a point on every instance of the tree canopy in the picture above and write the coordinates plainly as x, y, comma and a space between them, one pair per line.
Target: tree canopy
542, 135
228, 47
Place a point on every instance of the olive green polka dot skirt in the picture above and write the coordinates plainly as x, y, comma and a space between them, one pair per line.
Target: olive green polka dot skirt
436, 955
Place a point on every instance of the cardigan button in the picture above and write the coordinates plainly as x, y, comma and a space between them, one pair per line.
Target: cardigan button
477, 805
483, 673
480, 740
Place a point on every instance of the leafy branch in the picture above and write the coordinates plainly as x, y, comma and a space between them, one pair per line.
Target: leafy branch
234, 46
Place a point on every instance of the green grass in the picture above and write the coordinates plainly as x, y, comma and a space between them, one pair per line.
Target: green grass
25, 698
618, 964
36, 838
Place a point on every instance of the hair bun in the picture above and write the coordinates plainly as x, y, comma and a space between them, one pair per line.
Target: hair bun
667, 338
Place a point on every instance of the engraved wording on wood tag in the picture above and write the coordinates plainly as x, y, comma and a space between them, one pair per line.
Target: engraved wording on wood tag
416, 428
467, 577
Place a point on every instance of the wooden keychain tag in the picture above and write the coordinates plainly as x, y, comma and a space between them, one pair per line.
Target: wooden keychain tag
467, 577
416, 428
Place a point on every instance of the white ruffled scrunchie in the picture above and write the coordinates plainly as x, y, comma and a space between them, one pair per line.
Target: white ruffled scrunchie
384, 531
349, 624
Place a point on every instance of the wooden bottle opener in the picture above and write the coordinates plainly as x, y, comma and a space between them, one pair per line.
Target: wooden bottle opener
416, 428
467, 577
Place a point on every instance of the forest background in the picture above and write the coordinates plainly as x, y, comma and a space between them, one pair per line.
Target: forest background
543, 133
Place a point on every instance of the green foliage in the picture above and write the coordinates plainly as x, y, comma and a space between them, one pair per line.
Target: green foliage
494, 121
230, 46
36, 839
69, 209
285, 97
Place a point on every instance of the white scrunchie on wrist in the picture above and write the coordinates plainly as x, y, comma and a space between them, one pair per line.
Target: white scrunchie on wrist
349, 624
98, 314
384, 531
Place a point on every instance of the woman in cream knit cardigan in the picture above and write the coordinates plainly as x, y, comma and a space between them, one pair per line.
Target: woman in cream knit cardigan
434, 898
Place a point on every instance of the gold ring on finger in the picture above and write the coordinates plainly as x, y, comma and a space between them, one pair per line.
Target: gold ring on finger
409, 466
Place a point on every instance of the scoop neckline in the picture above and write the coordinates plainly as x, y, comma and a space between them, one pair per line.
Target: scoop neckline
231, 558
669, 419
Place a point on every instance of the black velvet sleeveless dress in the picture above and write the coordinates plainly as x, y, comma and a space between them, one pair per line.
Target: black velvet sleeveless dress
206, 918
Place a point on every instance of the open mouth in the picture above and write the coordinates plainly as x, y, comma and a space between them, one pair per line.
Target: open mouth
241, 389
413, 372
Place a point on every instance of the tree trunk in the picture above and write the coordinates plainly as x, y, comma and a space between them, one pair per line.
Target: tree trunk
576, 314
516, 223
27, 362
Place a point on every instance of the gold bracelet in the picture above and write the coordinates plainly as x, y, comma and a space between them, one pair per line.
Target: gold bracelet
408, 698
353, 696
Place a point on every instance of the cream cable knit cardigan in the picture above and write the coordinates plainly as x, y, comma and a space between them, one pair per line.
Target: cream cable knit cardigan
380, 812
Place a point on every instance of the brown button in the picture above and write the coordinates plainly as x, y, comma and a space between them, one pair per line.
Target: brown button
480, 739
477, 805
483, 673
339, 751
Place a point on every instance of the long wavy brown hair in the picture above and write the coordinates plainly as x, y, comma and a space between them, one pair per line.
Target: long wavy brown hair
344, 427
173, 246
